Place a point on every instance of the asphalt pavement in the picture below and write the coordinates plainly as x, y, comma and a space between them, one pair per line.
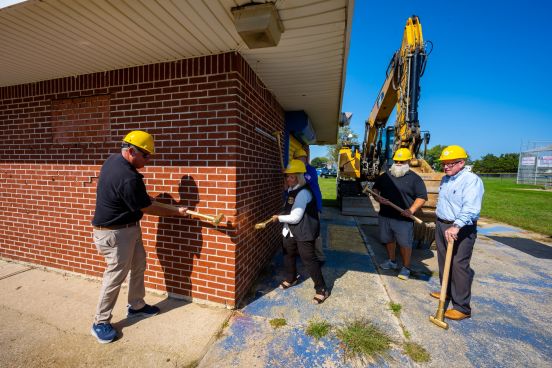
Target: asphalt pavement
511, 324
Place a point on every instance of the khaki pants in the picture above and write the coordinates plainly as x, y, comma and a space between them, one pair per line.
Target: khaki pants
123, 251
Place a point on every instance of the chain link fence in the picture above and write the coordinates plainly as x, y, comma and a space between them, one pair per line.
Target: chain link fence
535, 164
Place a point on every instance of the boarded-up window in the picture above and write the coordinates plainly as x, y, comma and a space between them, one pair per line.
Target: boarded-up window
81, 120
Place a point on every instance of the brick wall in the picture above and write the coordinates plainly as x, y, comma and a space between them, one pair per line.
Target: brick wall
259, 191
203, 114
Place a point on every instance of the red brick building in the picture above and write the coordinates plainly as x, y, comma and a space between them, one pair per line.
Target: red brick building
212, 115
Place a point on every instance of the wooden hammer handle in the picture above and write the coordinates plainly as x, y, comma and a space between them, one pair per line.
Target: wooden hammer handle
278, 137
366, 189
262, 225
446, 271
165, 205
214, 219
206, 217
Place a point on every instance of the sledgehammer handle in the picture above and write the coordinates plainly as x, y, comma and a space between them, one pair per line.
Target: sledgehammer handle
392, 204
262, 225
446, 271
439, 318
214, 219
277, 135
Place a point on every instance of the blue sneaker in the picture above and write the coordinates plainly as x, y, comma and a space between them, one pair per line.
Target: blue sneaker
104, 332
389, 265
404, 274
145, 311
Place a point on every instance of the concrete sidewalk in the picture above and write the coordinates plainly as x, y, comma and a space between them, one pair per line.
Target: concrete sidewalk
45, 319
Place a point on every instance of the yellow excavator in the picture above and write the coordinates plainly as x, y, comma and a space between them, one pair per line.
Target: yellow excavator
400, 92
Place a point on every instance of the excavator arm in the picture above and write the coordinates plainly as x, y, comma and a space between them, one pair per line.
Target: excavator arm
401, 89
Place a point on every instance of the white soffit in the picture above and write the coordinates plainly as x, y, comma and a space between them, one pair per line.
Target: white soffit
47, 39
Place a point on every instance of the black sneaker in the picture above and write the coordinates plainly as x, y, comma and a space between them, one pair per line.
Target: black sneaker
104, 332
145, 311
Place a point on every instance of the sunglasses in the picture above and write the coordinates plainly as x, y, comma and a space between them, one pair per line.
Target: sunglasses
451, 164
145, 154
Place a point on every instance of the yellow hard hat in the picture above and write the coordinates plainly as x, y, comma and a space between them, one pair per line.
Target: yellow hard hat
141, 140
295, 167
453, 153
300, 153
402, 154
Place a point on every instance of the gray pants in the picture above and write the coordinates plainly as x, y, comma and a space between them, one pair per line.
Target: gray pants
461, 274
123, 251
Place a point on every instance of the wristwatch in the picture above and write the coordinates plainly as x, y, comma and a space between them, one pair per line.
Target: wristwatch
456, 226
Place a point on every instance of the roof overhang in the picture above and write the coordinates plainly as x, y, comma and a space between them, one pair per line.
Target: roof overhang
48, 39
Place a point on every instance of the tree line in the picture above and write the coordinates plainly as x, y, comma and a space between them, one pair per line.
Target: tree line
489, 163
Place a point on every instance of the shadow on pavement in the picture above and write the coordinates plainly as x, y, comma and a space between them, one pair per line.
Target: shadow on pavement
528, 246
419, 270
337, 264
165, 306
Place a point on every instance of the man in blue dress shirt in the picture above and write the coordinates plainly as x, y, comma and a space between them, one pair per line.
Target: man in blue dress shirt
458, 207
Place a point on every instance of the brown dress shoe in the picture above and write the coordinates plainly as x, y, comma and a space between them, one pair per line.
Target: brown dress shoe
456, 315
437, 295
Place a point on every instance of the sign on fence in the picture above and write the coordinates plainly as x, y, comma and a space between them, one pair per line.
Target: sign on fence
544, 161
528, 161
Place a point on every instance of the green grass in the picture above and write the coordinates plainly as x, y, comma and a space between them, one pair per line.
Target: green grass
278, 322
504, 201
360, 338
508, 202
395, 308
416, 352
329, 194
318, 329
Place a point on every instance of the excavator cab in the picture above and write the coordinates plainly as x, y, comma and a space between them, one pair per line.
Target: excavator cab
348, 170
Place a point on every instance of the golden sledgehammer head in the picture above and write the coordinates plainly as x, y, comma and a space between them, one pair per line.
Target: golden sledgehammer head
439, 323
218, 218
439, 318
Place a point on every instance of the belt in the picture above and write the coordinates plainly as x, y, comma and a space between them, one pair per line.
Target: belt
115, 227
445, 221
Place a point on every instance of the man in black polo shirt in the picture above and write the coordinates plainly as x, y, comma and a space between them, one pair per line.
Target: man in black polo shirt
121, 201
406, 189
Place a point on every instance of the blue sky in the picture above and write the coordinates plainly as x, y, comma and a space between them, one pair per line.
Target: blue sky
487, 84
5, 3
